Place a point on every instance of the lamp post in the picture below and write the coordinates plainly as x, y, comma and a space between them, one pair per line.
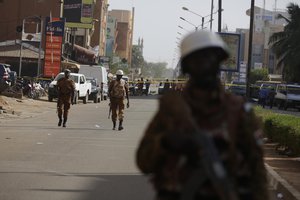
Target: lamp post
202, 18
196, 27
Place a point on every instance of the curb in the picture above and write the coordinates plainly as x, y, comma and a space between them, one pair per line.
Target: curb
278, 184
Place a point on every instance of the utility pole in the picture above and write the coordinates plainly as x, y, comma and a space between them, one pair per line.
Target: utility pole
211, 14
250, 49
220, 16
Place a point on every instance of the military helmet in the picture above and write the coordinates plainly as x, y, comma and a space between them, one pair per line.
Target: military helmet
120, 72
67, 72
200, 40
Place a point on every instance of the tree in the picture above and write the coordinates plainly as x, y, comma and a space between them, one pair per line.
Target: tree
258, 74
286, 45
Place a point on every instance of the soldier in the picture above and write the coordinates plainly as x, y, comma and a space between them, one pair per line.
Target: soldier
66, 90
118, 90
204, 143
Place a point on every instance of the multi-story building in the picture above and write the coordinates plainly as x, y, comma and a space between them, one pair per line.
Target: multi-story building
13, 13
266, 23
125, 20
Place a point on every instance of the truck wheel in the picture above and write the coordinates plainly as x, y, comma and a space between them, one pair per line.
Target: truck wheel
85, 99
76, 98
50, 98
285, 106
279, 105
95, 98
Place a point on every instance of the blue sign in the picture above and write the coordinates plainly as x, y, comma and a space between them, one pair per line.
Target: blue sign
55, 26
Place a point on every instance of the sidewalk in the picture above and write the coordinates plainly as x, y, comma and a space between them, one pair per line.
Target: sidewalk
284, 173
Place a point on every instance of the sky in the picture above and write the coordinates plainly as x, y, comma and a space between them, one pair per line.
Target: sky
157, 21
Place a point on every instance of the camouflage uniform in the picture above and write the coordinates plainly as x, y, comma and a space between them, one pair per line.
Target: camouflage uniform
235, 131
66, 88
117, 90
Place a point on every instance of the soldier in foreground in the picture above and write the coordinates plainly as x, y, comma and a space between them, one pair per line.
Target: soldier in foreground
118, 91
66, 89
204, 143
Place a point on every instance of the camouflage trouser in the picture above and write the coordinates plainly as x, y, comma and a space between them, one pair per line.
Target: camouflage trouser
63, 102
117, 104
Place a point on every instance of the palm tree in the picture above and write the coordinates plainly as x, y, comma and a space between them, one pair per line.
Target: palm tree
286, 44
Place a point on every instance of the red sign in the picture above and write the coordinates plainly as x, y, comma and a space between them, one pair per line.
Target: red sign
53, 46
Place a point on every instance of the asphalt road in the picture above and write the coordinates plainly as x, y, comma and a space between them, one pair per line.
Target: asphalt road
86, 160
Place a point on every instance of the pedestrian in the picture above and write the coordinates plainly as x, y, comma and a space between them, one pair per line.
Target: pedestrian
118, 91
262, 96
204, 143
66, 92
271, 97
166, 86
147, 84
140, 86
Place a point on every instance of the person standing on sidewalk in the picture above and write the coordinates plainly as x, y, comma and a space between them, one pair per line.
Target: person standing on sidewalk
118, 91
204, 143
66, 90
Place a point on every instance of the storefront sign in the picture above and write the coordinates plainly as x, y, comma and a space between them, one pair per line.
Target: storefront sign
53, 47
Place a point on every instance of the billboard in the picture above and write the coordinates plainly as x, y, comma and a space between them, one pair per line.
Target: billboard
54, 31
233, 42
78, 13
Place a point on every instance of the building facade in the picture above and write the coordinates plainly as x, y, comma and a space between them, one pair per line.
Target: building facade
124, 36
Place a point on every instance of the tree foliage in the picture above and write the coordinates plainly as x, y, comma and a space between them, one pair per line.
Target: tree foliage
286, 45
258, 74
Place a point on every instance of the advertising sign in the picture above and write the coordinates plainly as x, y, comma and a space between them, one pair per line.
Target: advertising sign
233, 42
53, 47
78, 13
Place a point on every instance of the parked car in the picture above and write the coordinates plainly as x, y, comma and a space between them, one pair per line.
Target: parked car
95, 93
238, 88
287, 96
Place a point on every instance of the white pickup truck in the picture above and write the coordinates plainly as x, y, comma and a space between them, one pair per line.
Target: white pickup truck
83, 88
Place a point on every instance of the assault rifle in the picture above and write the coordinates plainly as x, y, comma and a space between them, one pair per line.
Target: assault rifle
210, 167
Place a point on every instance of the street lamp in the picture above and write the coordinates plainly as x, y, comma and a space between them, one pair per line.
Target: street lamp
196, 27
202, 21
183, 28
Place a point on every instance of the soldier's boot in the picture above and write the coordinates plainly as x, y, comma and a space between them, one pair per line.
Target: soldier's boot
120, 125
65, 121
114, 125
59, 121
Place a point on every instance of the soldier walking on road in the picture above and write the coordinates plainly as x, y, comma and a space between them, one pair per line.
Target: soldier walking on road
66, 90
204, 143
118, 91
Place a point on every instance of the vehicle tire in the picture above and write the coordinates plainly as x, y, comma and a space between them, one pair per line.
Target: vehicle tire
285, 106
99, 99
85, 99
105, 98
279, 105
76, 98
95, 98
50, 98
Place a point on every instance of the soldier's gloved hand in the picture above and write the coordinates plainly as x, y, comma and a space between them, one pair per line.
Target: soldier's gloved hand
179, 143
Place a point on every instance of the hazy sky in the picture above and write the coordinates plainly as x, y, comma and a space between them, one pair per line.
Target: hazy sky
157, 21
